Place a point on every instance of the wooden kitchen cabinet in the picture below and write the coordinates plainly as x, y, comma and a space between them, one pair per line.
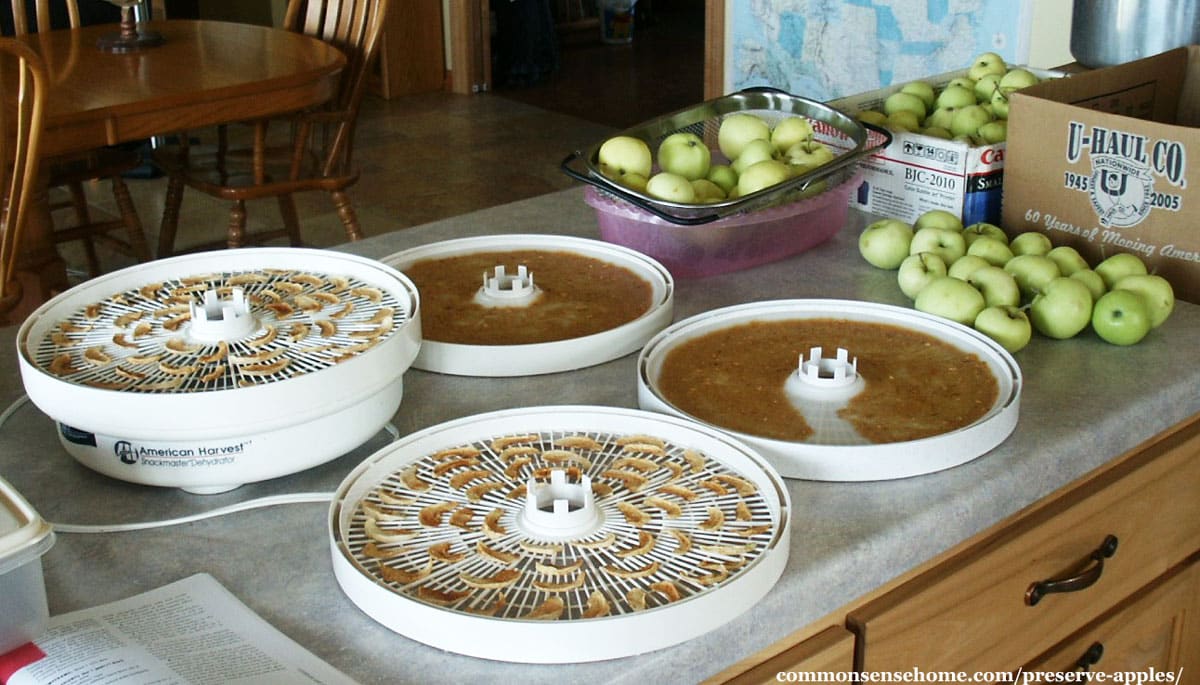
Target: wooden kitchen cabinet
1127, 536
974, 609
1159, 628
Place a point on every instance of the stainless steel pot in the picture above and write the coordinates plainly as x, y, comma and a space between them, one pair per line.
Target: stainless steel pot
1108, 32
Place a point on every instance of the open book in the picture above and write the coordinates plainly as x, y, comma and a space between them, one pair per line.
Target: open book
191, 631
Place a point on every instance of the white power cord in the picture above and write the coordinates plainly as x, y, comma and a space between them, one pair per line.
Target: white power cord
258, 503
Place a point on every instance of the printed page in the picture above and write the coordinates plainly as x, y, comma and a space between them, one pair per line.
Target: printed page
191, 631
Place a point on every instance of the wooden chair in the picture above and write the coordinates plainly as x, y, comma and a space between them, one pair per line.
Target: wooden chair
73, 171
20, 135
318, 149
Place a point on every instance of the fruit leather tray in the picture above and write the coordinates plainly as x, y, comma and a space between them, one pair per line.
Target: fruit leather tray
850, 140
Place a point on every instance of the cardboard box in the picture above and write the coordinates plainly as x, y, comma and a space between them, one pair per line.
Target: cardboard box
917, 173
1106, 161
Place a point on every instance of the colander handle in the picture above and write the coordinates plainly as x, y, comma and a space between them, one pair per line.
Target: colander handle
638, 202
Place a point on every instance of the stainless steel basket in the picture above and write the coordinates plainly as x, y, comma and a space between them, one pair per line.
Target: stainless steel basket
850, 139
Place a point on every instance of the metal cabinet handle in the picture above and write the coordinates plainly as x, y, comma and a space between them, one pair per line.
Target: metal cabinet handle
1083, 579
1090, 658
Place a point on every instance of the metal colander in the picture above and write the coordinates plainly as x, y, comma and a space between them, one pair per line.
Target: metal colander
850, 140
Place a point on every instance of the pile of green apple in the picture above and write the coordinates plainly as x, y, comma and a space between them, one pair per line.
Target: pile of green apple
759, 156
971, 108
1007, 289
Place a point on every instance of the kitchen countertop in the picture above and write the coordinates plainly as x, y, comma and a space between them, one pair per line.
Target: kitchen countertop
1084, 403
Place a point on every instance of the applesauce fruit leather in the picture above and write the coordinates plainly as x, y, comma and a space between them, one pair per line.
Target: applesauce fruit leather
579, 296
915, 385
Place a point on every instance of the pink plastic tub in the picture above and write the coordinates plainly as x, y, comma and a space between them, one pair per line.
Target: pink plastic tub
735, 242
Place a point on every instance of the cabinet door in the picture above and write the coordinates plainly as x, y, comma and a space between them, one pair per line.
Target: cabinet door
1159, 628
974, 611
830, 651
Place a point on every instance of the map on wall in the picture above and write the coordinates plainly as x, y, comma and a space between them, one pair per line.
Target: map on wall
825, 49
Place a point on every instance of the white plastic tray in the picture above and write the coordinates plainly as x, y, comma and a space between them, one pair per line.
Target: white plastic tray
837, 457
510, 634
550, 357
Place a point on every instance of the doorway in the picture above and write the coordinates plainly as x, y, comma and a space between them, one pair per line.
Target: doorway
660, 69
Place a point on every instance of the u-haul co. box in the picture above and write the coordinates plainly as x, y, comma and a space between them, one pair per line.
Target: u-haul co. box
1105, 161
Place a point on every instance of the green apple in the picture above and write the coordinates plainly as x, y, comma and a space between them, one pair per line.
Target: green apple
967, 120
962, 82
999, 104
1121, 317
1061, 309
790, 131
921, 89
1030, 242
724, 176
903, 120
1032, 272
955, 97
1008, 326
872, 116
1068, 259
993, 132
685, 154
985, 86
941, 117
998, 287
761, 175
670, 187
809, 154
1155, 290
949, 245
938, 218
1118, 266
737, 130
917, 271
633, 182
905, 102
707, 191
986, 63
993, 251
964, 266
982, 229
1016, 79
1092, 280
622, 155
884, 243
755, 151
936, 132
950, 298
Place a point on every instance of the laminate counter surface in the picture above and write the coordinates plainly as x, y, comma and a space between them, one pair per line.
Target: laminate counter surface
1084, 403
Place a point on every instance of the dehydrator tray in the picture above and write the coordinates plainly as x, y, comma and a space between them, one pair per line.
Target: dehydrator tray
850, 139
211, 370
823, 381
510, 285
559, 534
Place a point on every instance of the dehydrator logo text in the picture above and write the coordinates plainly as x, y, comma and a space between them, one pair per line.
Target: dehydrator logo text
205, 455
1125, 167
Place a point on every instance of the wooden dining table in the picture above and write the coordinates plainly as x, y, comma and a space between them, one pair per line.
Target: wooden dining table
205, 73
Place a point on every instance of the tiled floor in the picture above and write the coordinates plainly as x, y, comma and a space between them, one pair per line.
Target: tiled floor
431, 156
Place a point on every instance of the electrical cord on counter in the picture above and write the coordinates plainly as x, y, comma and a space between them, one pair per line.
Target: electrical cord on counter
257, 503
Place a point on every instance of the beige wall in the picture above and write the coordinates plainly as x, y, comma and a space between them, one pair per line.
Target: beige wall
1050, 34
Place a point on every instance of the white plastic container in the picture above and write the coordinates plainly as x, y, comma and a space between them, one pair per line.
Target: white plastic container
24, 538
